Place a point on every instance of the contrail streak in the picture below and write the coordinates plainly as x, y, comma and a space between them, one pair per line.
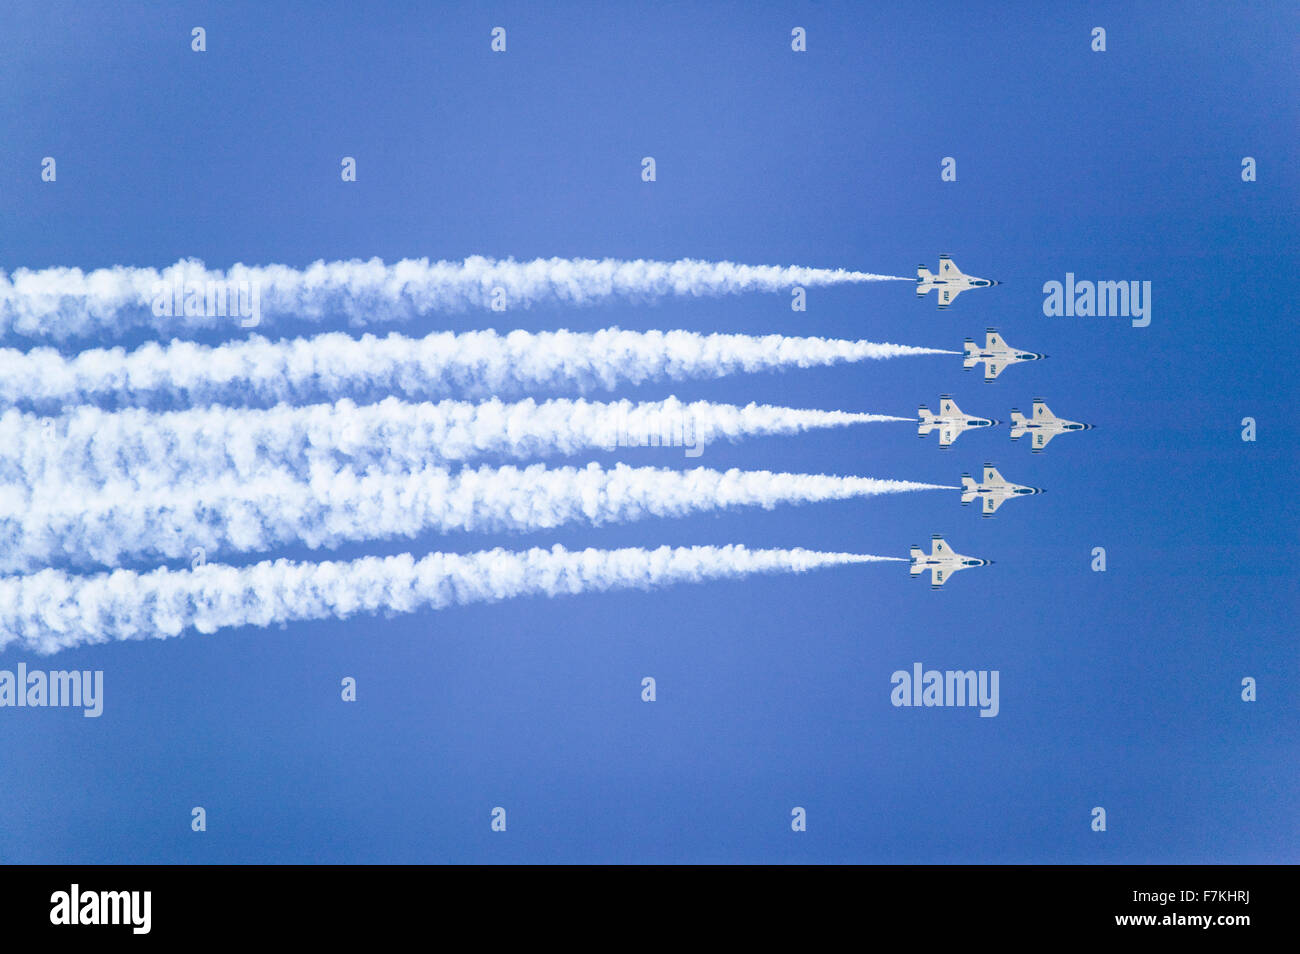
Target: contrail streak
63, 303
53, 610
335, 507
444, 364
89, 447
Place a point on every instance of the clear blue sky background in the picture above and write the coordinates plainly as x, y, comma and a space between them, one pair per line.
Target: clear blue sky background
1118, 689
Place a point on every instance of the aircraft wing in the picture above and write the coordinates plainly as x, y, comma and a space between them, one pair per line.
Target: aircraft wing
994, 341
937, 576
947, 267
948, 294
1042, 412
992, 368
947, 434
991, 475
1042, 438
939, 548
948, 407
991, 504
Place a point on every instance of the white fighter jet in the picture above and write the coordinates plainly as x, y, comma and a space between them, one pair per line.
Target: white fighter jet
1044, 425
949, 283
996, 354
950, 421
994, 489
942, 562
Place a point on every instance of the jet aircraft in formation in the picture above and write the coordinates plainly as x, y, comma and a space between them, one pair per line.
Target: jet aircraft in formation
951, 421
942, 561
949, 283
1043, 425
996, 354
992, 490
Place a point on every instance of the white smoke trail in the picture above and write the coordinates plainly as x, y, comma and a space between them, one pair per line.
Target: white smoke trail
336, 507
52, 610
62, 303
471, 364
89, 447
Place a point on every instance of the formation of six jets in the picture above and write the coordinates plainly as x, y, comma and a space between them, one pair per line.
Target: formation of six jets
951, 422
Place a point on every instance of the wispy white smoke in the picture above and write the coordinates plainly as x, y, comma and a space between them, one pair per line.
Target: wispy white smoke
470, 364
334, 507
52, 610
141, 450
62, 303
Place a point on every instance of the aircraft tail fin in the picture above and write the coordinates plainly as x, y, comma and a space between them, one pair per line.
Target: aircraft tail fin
924, 280
972, 349
1018, 422
968, 489
917, 554
927, 420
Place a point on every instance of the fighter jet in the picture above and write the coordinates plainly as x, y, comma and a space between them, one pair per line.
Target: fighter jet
950, 282
993, 490
996, 354
942, 562
1044, 425
950, 420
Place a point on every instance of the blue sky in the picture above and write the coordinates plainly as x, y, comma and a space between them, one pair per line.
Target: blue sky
1119, 689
